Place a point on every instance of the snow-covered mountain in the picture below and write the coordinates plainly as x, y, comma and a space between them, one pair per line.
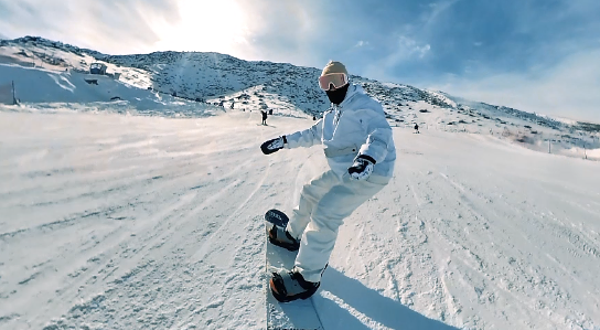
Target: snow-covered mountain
219, 79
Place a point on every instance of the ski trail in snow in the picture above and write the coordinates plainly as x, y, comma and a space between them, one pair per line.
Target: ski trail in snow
414, 192
128, 252
236, 213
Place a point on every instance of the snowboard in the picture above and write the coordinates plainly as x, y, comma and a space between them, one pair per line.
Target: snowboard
298, 314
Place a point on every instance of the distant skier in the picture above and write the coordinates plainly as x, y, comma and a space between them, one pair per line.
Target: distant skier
416, 128
264, 117
359, 148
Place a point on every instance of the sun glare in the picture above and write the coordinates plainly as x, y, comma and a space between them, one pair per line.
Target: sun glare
205, 25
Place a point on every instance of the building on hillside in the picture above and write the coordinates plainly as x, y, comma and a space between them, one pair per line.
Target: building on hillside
98, 68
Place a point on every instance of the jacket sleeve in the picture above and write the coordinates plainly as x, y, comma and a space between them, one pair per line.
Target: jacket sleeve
379, 135
306, 138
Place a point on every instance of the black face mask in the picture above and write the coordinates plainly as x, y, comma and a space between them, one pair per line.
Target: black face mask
337, 96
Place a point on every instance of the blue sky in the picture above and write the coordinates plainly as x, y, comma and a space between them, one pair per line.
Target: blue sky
535, 55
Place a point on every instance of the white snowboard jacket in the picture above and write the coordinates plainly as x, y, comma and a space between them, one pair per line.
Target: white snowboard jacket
355, 127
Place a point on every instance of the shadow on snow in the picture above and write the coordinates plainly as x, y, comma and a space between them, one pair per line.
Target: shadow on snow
348, 304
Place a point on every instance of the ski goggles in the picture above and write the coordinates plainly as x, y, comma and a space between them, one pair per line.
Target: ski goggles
332, 81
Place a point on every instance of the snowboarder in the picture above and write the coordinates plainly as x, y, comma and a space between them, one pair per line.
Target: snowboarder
416, 128
264, 117
360, 151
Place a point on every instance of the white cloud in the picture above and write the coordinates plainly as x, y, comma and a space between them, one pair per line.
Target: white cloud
201, 27
437, 8
406, 49
108, 26
422, 51
249, 29
570, 89
361, 43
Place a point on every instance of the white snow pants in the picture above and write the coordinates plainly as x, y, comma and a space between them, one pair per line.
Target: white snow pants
324, 203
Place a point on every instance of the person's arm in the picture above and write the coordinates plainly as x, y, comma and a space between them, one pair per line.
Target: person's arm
379, 135
306, 138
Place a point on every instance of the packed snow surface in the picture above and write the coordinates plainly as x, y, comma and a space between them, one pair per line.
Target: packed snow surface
112, 221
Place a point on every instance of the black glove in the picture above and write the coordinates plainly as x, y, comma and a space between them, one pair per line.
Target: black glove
270, 146
362, 167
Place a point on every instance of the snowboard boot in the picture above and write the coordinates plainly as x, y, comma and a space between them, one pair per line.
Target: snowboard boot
281, 237
290, 285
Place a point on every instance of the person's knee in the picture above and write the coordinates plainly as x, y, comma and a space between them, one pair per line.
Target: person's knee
321, 232
308, 192
328, 218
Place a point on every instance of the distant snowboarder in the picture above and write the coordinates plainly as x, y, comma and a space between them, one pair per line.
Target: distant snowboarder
361, 155
264, 117
416, 128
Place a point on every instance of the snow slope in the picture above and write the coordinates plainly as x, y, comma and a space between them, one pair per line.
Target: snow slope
40, 85
35, 86
110, 221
